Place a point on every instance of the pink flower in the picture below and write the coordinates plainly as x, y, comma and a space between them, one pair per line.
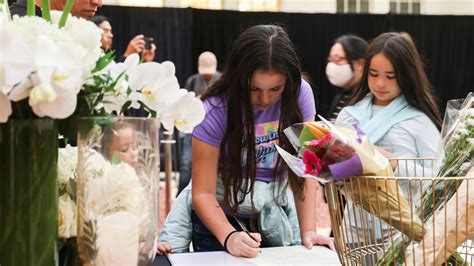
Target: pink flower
312, 163
320, 143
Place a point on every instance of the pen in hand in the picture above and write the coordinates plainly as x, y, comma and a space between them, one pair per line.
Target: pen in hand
244, 228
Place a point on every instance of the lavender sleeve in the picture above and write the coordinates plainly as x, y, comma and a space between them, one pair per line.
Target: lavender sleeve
212, 128
306, 101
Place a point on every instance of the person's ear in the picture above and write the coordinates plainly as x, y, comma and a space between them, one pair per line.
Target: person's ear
358, 64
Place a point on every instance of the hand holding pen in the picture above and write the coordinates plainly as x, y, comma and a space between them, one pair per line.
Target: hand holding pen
243, 243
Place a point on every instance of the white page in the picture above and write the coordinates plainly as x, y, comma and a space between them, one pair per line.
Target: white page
207, 258
295, 255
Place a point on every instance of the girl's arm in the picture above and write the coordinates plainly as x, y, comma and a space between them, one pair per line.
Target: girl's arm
306, 209
204, 173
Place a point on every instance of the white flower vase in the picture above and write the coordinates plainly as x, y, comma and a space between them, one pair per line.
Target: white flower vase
117, 190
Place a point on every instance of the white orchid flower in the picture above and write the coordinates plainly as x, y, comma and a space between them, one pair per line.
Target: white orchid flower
85, 36
185, 113
114, 101
5, 15
59, 79
5, 108
157, 83
131, 62
14, 67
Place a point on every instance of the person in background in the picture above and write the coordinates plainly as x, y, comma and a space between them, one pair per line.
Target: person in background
206, 76
136, 45
344, 69
82, 8
199, 83
396, 107
237, 173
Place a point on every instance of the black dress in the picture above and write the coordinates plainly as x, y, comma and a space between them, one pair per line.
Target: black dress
340, 101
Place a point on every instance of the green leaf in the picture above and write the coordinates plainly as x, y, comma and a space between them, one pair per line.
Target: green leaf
104, 61
45, 10
30, 8
125, 106
66, 11
148, 109
306, 135
116, 158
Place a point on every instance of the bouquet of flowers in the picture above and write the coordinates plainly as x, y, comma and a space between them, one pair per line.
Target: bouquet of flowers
45, 64
457, 161
54, 67
329, 153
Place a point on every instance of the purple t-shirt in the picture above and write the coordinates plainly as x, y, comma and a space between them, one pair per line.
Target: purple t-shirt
212, 128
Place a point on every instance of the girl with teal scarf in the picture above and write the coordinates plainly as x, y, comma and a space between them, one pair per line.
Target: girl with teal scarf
395, 106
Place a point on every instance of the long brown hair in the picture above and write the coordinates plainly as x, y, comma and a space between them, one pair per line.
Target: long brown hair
263, 47
401, 51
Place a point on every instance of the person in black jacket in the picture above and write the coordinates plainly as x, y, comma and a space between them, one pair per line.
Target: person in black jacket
139, 44
344, 69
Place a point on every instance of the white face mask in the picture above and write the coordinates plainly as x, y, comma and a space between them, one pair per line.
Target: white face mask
338, 75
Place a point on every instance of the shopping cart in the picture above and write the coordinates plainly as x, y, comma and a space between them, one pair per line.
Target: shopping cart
362, 239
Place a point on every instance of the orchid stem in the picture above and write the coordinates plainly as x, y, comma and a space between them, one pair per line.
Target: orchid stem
30, 8
66, 11
45, 10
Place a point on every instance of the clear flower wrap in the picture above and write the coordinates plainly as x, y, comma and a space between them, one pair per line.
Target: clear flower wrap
457, 160
328, 153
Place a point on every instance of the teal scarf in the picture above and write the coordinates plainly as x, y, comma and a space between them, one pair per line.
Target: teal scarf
376, 126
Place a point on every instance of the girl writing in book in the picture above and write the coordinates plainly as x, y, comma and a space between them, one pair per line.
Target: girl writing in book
236, 170
395, 106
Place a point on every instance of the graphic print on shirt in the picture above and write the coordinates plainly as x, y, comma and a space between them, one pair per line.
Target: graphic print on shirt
266, 136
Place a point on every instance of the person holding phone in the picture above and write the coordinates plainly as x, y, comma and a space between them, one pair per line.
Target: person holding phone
139, 44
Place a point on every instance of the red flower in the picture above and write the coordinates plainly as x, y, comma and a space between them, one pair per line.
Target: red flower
312, 163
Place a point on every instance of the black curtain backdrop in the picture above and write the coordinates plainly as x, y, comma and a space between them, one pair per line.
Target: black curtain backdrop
445, 42
171, 29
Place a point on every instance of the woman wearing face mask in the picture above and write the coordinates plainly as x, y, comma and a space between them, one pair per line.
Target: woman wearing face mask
344, 69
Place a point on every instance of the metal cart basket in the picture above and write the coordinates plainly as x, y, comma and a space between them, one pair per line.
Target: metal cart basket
422, 239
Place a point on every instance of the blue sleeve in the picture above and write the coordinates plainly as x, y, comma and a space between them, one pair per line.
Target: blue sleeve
177, 228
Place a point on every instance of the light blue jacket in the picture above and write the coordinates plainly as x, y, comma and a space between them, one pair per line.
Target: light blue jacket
278, 219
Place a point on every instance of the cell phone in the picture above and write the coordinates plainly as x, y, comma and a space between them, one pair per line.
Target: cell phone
148, 42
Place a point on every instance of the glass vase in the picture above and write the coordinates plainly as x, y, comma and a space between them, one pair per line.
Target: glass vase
28, 192
117, 190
